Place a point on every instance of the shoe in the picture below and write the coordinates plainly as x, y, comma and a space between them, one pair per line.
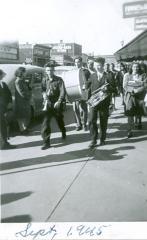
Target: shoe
78, 128
130, 134
85, 128
8, 146
45, 146
102, 143
92, 144
63, 135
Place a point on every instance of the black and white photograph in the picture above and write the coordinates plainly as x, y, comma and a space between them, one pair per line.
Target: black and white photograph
73, 115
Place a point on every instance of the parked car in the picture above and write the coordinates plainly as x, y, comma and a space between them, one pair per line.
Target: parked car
34, 77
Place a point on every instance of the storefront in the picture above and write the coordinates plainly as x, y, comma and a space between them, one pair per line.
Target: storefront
64, 53
68, 49
63, 60
36, 54
134, 50
9, 52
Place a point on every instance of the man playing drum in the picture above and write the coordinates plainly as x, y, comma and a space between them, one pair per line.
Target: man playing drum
107, 86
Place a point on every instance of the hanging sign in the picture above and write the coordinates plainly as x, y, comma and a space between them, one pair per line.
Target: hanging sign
135, 9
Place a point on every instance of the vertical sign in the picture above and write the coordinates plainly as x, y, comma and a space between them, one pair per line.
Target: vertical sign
140, 23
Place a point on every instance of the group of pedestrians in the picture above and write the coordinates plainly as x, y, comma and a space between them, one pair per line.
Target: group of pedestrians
19, 109
130, 83
96, 75
127, 81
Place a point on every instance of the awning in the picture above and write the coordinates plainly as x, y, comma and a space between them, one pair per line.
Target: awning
134, 50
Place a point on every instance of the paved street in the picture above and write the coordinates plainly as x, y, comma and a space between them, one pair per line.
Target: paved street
68, 182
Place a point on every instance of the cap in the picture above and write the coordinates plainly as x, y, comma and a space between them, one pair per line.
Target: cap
51, 63
79, 58
100, 60
90, 59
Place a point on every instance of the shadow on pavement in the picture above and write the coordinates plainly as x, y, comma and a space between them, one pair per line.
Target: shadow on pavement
35, 132
70, 128
121, 132
30, 144
83, 137
124, 126
72, 138
12, 197
109, 155
17, 219
125, 140
118, 125
97, 154
118, 116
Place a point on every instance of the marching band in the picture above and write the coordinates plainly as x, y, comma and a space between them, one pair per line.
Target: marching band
100, 85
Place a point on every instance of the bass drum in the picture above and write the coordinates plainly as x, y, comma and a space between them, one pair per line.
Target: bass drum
75, 84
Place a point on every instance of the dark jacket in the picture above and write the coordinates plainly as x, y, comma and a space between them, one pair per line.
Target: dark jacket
55, 89
119, 81
5, 97
85, 83
107, 78
22, 99
134, 95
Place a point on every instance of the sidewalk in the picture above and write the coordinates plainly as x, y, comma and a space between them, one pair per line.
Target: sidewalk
70, 183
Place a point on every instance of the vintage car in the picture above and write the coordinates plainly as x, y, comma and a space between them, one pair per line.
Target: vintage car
72, 77
34, 77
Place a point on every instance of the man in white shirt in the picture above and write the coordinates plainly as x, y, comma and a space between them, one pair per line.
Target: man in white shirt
80, 105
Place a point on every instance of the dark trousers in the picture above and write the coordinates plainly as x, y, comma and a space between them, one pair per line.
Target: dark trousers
46, 129
80, 108
103, 114
3, 130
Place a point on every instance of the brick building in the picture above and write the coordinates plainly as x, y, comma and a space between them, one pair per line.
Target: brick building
35, 54
64, 53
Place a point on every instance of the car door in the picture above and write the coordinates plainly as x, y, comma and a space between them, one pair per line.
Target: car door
37, 99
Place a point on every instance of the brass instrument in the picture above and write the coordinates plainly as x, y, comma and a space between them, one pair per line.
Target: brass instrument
45, 100
45, 105
98, 96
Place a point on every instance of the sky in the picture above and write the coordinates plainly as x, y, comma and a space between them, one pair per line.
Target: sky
97, 25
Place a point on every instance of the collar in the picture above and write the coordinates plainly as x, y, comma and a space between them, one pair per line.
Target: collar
51, 79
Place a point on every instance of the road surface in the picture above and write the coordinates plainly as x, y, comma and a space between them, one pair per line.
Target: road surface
68, 182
